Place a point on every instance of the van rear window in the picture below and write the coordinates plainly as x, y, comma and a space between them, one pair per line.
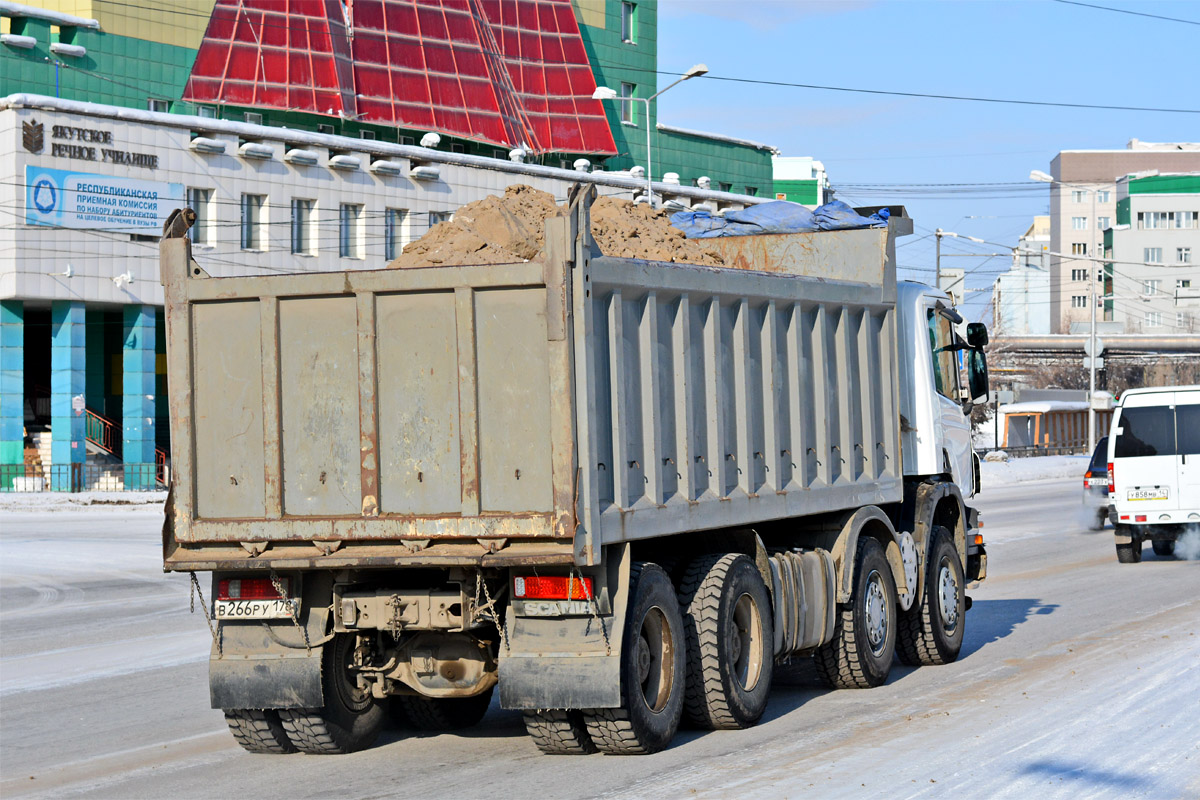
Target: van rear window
1147, 431
1187, 427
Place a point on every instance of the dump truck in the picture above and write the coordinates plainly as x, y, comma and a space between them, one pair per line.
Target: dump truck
619, 490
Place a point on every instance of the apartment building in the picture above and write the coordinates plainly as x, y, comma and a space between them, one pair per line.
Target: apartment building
1083, 203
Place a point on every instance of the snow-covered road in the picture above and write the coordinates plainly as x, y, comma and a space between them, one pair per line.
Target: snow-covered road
1078, 678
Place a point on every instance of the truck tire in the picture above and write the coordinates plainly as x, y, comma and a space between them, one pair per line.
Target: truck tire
258, 731
1163, 548
350, 719
444, 713
932, 632
859, 656
558, 733
653, 678
730, 641
1130, 553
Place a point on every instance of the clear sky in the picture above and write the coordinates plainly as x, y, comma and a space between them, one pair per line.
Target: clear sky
877, 148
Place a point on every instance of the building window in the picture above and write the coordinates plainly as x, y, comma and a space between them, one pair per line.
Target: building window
366, 134
1181, 321
1102, 197
439, 216
303, 238
200, 201
1183, 283
254, 118
1079, 223
752, 191
1185, 219
1152, 255
1151, 286
629, 23
350, 231
1078, 249
155, 104
1153, 319
1079, 274
207, 112
1103, 223
455, 147
1155, 220
725, 187
1079, 301
628, 92
408, 141
252, 222
1183, 255
393, 232
1079, 196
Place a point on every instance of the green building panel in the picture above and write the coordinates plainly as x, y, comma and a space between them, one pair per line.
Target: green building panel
805, 192
1123, 211
1165, 184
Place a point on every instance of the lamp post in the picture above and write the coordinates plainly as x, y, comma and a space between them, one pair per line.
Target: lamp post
605, 93
1042, 177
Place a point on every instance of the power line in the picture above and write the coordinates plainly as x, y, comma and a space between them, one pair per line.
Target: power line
1124, 11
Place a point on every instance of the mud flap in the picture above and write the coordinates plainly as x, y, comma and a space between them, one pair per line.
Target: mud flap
288, 680
560, 682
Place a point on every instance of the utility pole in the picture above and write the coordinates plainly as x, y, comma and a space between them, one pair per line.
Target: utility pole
937, 263
1092, 359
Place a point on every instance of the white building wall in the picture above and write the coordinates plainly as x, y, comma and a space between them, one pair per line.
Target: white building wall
1170, 309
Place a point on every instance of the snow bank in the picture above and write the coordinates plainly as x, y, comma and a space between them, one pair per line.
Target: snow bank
68, 501
1037, 468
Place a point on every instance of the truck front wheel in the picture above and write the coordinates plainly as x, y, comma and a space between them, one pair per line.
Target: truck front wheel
652, 671
932, 633
860, 653
727, 617
350, 719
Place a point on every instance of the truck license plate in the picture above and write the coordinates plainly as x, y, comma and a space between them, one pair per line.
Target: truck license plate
1153, 493
254, 609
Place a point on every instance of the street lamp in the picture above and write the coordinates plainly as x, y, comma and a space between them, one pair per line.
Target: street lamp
1042, 177
605, 93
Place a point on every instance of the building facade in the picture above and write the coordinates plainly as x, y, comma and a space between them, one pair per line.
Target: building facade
1154, 255
800, 179
1021, 296
1083, 204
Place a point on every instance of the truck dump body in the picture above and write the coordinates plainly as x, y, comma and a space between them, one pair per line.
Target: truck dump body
527, 412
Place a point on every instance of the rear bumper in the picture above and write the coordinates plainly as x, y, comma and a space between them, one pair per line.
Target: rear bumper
1124, 533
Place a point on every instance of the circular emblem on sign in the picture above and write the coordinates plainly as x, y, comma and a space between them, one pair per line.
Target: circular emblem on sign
45, 195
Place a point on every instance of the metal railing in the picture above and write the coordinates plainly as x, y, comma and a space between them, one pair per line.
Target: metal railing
1028, 451
103, 433
82, 478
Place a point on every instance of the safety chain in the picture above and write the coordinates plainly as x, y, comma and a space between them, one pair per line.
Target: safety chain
397, 624
279, 588
501, 625
195, 590
595, 609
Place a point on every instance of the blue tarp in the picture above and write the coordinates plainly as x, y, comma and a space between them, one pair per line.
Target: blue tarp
778, 216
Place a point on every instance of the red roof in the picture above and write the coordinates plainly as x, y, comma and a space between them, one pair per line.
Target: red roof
511, 72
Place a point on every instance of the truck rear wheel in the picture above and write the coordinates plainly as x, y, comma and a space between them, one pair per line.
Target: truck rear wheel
932, 633
653, 650
1163, 547
258, 730
350, 719
444, 713
860, 653
1130, 553
558, 733
728, 622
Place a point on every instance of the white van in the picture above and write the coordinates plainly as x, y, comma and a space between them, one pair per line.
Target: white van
1154, 469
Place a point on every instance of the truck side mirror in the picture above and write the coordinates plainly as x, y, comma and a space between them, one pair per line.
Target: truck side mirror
977, 335
977, 373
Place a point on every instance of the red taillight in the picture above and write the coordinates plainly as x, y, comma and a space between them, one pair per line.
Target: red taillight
1112, 489
552, 587
249, 589
1140, 518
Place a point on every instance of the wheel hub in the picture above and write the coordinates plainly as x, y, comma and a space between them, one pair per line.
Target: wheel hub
643, 659
876, 612
948, 597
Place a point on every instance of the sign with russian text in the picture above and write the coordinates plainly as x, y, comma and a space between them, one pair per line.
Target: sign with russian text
80, 200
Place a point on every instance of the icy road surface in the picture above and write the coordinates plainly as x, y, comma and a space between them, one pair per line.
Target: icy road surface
1079, 678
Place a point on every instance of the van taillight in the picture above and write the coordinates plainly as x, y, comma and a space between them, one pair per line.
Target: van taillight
1112, 487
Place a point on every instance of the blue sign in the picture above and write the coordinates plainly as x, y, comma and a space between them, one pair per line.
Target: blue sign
85, 201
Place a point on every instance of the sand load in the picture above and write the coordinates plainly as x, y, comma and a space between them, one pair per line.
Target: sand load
501, 230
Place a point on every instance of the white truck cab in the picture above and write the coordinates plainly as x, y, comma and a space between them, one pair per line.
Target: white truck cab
1154, 468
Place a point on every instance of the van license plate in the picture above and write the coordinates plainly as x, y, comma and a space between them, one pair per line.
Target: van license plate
1155, 493
254, 609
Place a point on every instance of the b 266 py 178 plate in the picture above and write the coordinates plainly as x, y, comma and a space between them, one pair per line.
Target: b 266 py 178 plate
254, 609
